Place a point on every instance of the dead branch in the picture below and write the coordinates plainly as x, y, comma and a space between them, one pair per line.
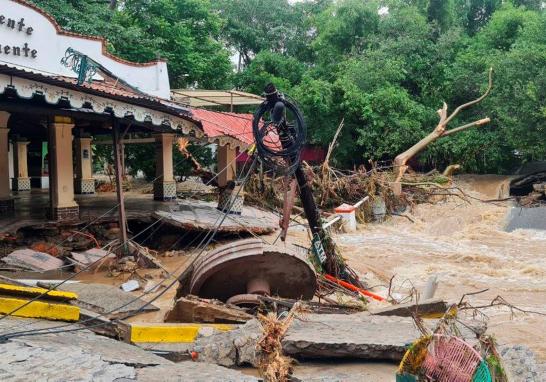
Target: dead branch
500, 301
441, 130
471, 294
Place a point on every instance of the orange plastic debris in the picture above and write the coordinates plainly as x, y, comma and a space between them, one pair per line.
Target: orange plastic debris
354, 288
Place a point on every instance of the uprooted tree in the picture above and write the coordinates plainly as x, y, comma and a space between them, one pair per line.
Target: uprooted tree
400, 162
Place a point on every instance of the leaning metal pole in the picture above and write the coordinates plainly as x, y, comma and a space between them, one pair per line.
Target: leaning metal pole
119, 187
323, 245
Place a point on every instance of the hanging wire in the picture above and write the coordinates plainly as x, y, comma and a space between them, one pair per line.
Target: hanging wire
279, 132
53, 287
202, 246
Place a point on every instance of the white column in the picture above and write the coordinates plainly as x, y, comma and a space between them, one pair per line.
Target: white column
63, 206
164, 185
84, 182
21, 181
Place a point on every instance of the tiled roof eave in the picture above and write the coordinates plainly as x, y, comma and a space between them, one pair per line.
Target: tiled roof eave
54, 90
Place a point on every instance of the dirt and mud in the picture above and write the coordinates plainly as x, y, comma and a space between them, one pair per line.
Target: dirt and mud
462, 242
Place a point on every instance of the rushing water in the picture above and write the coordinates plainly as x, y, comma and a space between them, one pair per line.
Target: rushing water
466, 247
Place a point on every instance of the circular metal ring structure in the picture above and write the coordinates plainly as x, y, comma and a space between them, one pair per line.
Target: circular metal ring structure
244, 300
250, 267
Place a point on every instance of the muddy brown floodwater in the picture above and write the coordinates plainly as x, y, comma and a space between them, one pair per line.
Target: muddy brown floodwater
462, 243
466, 247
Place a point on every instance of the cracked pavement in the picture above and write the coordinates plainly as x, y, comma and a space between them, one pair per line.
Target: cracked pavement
84, 356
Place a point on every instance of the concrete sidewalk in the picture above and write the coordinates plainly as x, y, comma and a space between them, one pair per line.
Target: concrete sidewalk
85, 356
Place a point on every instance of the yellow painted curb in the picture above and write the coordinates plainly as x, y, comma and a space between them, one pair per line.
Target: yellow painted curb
39, 309
33, 292
172, 333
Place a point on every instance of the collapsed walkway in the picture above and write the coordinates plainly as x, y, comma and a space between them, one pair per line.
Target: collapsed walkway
53, 357
188, 214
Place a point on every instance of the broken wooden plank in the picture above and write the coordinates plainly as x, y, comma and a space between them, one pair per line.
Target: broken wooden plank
194, 309
426, 308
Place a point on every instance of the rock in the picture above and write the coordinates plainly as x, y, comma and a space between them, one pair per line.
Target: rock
405, 310
31, 260
195, 309
521, 364
236, 347
130, 286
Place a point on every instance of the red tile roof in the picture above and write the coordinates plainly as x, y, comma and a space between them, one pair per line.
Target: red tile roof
217, 124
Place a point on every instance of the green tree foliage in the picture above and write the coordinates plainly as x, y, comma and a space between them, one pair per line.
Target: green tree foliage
282, 70
441, 13
384, 67
387, 72
184, 32
474, 14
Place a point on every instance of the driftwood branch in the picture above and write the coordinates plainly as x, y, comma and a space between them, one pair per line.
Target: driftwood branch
441, 130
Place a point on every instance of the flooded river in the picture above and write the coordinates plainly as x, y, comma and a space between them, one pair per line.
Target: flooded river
466, 247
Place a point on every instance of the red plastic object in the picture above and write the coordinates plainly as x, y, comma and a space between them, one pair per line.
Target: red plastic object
354, 288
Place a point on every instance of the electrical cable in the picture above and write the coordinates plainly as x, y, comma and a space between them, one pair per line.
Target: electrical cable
204, 244
279, 141
69, 278
102, 257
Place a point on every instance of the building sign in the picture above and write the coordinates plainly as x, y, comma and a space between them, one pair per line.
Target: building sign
31, 39
16, 26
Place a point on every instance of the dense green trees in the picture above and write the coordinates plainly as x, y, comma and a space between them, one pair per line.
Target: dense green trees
384, 66
184, 32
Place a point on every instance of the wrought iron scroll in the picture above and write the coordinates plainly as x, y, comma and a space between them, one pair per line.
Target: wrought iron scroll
80, 64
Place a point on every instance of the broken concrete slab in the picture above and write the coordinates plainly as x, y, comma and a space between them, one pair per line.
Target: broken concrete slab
192, 371
423, 308
104, 299
521, 364
203, 216
100, 324
358, 335
38, 309
28, 259
526, 218
175, 352
195, 309
236, 347
323, 336
170, 332
92, 259
25, 291
355, 336
84, 356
